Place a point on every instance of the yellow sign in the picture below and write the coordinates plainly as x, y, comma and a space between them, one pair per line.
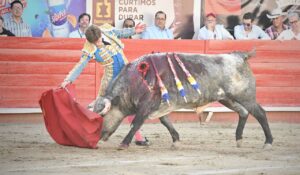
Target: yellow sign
103, 11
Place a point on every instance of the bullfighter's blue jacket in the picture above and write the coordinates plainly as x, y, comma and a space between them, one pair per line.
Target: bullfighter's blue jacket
110, 56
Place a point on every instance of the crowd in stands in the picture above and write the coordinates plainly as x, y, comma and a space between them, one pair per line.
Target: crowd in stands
15, 26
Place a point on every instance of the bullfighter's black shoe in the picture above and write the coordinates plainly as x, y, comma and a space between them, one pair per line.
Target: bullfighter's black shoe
143, 143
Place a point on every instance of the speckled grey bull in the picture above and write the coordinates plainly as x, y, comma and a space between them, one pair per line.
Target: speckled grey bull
225, 78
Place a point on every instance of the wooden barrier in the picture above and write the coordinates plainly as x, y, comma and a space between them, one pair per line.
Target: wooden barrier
29, 66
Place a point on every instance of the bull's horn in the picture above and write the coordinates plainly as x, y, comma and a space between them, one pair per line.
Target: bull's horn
106, 106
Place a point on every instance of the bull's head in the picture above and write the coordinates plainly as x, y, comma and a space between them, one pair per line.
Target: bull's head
112, 116
102, 105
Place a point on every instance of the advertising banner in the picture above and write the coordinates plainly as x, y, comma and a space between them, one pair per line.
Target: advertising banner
48, 18
179, 14
143, 11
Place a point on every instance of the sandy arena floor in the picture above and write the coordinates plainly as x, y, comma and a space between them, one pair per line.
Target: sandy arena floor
204, 149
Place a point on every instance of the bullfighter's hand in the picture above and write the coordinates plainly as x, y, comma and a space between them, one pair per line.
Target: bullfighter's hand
139, 28
65, 83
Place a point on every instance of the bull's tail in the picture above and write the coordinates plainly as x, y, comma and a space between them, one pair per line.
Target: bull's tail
246, 55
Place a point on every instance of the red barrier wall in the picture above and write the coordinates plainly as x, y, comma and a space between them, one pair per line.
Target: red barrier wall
29, 66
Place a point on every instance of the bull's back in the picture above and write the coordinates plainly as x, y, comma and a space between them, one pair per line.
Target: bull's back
215, 73
221, 72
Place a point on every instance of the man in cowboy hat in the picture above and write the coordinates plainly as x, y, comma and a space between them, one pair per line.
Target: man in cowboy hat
294, 32
276, 16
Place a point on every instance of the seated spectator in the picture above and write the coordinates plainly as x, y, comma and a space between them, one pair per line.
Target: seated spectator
83, 23
15, 22
294, 32
129, 23
212, 30
248, 30
277, 24
3, 31
159, 30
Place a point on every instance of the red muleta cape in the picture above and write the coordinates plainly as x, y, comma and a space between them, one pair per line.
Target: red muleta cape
67, 122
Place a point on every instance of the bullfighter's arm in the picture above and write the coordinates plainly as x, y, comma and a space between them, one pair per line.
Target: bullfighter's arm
88, 52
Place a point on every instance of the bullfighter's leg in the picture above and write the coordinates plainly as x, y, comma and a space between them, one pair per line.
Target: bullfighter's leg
243, 116
167, 123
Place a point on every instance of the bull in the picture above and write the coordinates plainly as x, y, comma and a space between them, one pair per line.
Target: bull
226, 78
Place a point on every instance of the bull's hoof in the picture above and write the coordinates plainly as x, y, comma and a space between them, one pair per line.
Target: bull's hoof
239, 143
203, 123
123, 146
175, 145
267, 146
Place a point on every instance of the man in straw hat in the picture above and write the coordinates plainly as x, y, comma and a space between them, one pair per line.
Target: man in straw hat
276, 16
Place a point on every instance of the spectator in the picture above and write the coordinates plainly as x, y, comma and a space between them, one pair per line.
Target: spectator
248, 30
212, 30
277, 23
128, 23
3, 31
83, 23
15, 22
294, 32
159, 30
